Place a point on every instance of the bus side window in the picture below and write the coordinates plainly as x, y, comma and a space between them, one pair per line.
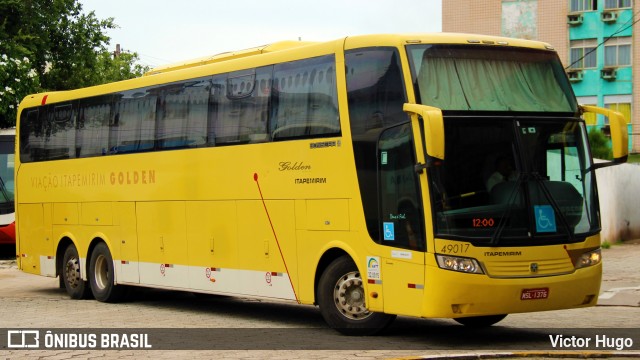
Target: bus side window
255, 109
304, 99
196, 122
182, 114
60, 134
399, 195
30, 127
375, 96
239, 107
92, 133
133, 125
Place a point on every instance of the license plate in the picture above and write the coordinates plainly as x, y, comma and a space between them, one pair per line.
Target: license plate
534, 294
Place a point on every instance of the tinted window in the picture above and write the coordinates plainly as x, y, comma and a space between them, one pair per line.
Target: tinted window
305, 102
375, 96
246, 106
399, 195
241, 106
376, 91
182, 115
92, 134
31, 139
134, 124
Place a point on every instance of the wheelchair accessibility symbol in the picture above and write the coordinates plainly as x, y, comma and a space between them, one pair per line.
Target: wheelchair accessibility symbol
389, 232
545, 218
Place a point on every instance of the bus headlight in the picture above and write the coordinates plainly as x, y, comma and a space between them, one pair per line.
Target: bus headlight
462, 264
589, 259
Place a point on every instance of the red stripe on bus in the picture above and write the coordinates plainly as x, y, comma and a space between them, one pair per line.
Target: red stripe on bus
44, 99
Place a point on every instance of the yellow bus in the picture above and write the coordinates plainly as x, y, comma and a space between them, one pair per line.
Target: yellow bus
352, 174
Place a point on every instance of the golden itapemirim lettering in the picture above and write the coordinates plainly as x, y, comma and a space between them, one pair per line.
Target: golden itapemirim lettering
136, 177
56, 181
61, 181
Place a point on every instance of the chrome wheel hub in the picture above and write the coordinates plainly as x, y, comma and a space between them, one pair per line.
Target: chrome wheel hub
101, 272
348, 295
72, 272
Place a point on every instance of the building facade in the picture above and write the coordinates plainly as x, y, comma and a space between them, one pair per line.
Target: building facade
597, 41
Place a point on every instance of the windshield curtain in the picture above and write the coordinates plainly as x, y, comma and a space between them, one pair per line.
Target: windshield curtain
481, 78
507, 181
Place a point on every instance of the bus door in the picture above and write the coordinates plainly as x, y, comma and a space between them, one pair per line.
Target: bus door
402, 231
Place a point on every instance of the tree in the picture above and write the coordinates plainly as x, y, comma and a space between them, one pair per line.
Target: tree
599, 144
116, 68
17, 79
64, 49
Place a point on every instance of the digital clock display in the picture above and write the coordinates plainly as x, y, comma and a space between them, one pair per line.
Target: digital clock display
483, 222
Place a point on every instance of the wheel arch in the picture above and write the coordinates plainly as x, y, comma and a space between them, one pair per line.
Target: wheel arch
64, 242
327, 258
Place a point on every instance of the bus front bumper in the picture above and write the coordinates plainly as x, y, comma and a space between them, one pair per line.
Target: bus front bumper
450, 294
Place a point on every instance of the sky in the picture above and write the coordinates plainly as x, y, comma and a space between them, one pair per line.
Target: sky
167, 31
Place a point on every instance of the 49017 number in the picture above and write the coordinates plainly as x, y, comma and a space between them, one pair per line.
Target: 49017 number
454, 248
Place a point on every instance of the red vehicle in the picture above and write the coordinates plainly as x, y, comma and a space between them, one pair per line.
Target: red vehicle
7, 207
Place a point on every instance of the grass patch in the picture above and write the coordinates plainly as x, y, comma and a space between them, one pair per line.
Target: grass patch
606, 245
633, 158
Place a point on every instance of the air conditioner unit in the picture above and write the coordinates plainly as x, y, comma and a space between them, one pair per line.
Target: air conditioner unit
574, 75
574, 19
609, 16
608, 74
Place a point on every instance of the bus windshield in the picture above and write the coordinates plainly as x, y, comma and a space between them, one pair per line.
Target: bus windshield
490, 78
517, 167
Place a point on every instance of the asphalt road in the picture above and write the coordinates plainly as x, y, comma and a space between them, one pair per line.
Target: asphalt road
243, 328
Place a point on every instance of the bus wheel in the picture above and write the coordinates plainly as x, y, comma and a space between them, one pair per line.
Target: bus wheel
101, 275
71, 277
480, 321
341, 299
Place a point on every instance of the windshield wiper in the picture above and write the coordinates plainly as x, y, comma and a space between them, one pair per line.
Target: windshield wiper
563, 219
511, 201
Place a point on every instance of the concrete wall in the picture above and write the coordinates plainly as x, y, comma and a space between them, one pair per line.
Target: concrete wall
619, 190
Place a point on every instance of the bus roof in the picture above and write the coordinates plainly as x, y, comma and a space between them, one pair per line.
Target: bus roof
281, 45
289, 44
276, 52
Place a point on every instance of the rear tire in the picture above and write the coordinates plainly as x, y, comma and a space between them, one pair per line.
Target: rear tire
101, 275
480, 321
342, 304
71, 276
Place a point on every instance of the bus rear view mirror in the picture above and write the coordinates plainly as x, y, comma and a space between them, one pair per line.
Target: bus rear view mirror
618, 129
433, 127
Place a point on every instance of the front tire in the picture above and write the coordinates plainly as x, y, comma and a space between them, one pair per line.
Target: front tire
101, 275
71, 276
342, 304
